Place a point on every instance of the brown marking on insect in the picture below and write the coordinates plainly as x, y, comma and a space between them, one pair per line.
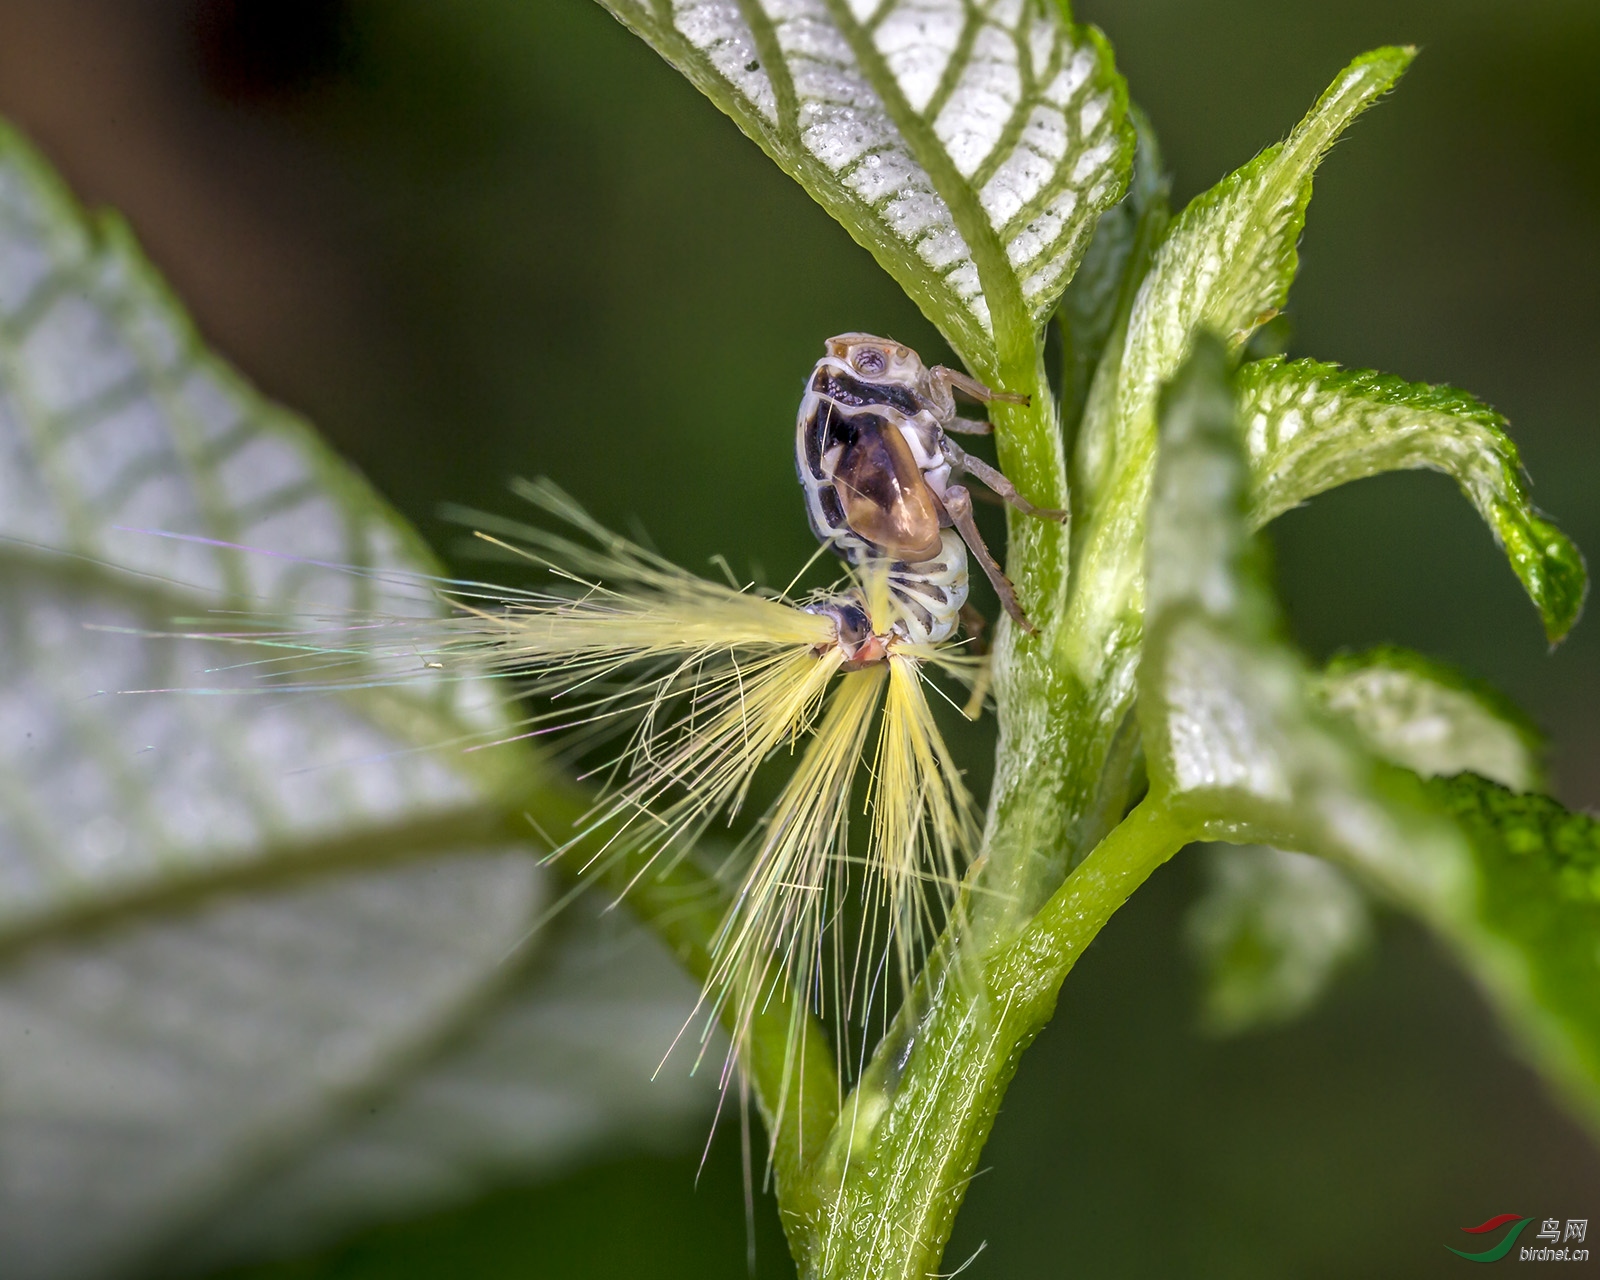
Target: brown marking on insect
886, 500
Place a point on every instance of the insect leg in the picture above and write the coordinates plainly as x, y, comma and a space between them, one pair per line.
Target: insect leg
958, 505
963, 463
968, 427
976, 626
968, 386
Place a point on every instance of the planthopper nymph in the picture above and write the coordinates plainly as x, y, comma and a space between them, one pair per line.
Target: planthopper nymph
882, 477
699, 683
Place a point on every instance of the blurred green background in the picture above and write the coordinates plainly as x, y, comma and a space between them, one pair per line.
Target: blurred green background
499, 237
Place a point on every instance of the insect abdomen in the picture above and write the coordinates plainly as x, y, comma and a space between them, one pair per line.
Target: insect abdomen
928, 596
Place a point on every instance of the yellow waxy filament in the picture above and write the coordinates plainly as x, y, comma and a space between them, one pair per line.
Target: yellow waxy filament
708, 682
922, 816
774, 927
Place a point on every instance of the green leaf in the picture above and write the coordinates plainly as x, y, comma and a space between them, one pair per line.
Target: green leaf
1271, 930
240, 935
970, 145
1236, 741
1226, 265
1232, 254
1311, 426
1266, 946
1097, 302
1535, 932
1428, 717
1231, 730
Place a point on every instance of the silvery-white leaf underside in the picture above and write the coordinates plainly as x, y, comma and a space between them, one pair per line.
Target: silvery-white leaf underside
248, 936
970, 144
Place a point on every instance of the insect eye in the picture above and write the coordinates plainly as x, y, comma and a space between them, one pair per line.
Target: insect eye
869, 362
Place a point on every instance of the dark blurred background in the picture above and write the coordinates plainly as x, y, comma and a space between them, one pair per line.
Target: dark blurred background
499, 237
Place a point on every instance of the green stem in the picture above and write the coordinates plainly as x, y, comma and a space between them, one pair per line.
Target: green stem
886, 1191
1062, 769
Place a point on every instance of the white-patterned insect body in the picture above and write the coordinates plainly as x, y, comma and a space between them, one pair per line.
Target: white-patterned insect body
867, 454
880, 477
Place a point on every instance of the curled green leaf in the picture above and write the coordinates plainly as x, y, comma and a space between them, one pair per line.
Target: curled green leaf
969, 146
1233, 734
1230, 257
1226, 265
1311, 426
1535, 932
1428, 717
1272, 929
1236, 740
